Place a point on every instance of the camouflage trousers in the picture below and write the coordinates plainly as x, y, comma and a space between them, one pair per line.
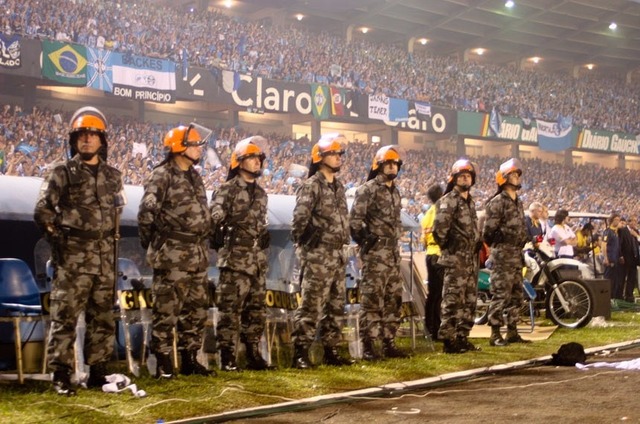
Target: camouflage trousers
459, 297
241, 308
323, 298
180, 300
507, 295
380, 296
72, 293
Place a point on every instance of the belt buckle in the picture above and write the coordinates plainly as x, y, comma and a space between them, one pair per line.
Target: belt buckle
100, 233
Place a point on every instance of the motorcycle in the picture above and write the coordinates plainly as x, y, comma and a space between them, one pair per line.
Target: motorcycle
553, 284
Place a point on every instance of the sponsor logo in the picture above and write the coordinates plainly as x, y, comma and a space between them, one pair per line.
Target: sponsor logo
10, 52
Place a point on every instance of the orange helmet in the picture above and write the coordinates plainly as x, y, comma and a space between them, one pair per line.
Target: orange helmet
88, 119
460, 166
328, 143
386, 154
247, 148
512, 165
178, 139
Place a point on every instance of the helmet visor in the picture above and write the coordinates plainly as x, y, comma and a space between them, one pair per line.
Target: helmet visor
196, 135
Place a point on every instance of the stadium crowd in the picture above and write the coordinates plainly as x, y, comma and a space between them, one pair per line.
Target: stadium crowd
291, 53
29, 142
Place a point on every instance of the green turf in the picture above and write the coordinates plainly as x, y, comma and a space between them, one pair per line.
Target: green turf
184, 397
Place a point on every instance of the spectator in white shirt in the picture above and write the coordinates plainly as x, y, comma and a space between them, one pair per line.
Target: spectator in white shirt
565, 238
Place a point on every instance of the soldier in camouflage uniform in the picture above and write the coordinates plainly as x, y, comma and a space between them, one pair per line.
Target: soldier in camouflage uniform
77, 210
320, 229
174, 225
456, 232
239, 219
505, 230
376, 227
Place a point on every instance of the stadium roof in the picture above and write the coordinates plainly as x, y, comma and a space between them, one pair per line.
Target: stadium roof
563, 33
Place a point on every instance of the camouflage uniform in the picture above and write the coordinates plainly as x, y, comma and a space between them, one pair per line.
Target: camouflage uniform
456, 231
506, 216
378, 207
78, 201
174, 224
324, 205
242, 261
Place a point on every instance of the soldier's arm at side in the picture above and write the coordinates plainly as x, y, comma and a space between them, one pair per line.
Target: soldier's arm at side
305, 201
358, 214
149, 208
46, 210
442, 221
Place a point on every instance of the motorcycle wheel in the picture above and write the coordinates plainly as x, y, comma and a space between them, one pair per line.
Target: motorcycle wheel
482, 308
569, 304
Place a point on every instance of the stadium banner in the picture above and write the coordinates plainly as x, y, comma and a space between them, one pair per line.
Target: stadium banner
259, 94
10, 51
554, 137
30, 54
64, 62
143, 78
607, 141
379, 107
338, 101
441, 121
321, 101
511, 129
201, 85
99, 69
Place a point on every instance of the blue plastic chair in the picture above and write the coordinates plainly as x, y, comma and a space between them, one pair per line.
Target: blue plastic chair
19, 302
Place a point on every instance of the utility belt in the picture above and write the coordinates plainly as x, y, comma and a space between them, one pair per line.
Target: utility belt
244, 241
88, 235
334, 246
386, 242
185, 237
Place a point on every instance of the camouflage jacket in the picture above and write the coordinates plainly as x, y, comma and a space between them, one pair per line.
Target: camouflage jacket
173, 219
319, 205
456, 229
245, 215
377, 207
505, 218
74, 201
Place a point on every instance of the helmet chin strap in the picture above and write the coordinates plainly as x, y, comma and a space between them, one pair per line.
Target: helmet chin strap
255, 174
515, 187
391, 177
464, 188
334, 169
88, 156
194, 161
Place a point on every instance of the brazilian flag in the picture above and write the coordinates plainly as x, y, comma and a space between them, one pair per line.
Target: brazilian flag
64, 62
320, 100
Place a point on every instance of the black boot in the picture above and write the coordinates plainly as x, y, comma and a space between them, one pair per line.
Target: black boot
390, 350
190, 366
465, 344
62, 383
301, 358
331, 357
228, 360
452, 346
164, 366
97, 374
496, 338
369, 351
513, 336
254, 359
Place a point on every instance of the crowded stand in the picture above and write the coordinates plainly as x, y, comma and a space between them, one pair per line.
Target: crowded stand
216, 41
29, 142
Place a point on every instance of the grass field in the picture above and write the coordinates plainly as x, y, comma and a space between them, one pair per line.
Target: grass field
184, 397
